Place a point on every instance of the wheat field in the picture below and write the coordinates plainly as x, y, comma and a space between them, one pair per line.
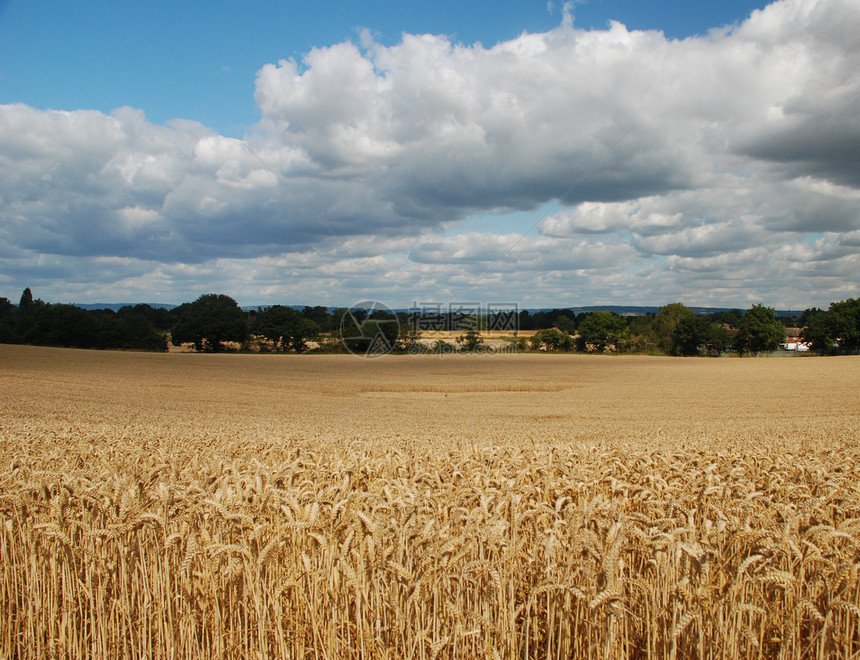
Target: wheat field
499, 507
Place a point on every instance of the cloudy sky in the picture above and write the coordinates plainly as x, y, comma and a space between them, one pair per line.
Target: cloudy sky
603, 152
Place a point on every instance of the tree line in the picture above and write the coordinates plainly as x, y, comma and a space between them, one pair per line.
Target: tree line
33, 321
678, 330
213, 322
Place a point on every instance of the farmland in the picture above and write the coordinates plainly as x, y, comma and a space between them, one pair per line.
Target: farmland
468, 506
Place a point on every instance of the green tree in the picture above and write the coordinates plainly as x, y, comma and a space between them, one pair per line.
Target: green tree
843, 324
697, 335
816, 330
667, 319
602, 329
470, 340
641, 324
564, 323
410, 334
209, 321
759, 331
47, 324
25, 314
319, 315
519, 343
369, 336
731, 318
158, 317
285, 325
60, 325
525, 320
718, 340
110, 331
8, 322
26, 300
552, 340
641, 337
345, 321
137, 332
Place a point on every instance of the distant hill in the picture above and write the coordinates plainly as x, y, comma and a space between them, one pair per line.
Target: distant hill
118, 306
622, 310
637, 310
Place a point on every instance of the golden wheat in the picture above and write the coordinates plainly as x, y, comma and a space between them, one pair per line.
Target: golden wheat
416, 507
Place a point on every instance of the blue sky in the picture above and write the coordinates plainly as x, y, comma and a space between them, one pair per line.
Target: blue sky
320, 152
197, 60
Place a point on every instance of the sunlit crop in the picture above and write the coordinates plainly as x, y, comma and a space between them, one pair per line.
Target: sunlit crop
516, 506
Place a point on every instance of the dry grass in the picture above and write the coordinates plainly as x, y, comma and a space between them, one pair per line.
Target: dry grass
531, 506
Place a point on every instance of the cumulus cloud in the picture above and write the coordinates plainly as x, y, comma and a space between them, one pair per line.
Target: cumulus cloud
732, 154
815, 129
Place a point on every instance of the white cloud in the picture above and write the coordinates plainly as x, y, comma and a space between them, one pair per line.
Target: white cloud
730, 154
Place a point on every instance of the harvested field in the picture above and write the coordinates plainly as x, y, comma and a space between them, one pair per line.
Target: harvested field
508, 506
